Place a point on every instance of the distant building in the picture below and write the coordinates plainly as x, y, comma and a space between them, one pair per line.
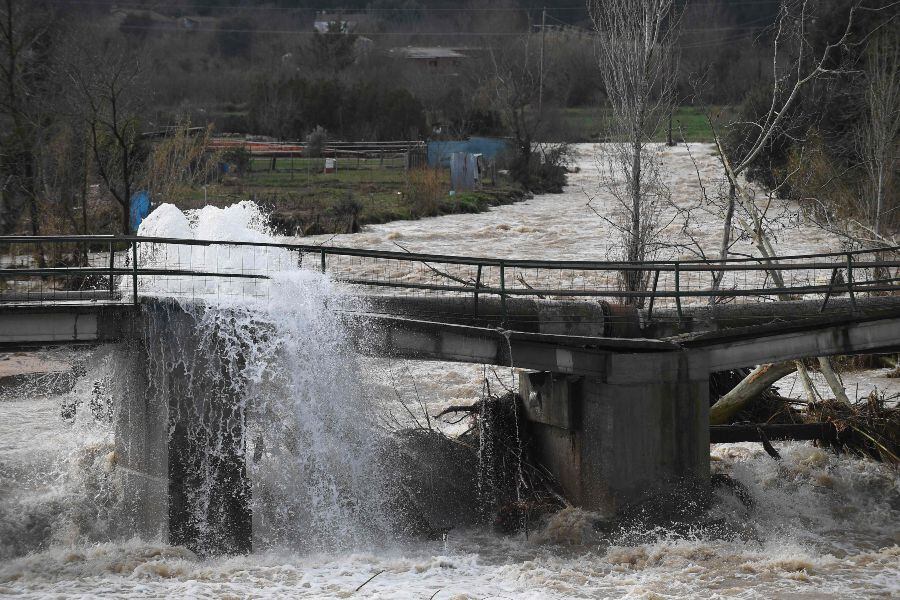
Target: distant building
362, 47
434, 57
336, 22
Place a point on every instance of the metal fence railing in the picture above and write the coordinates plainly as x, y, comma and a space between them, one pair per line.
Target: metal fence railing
123, 269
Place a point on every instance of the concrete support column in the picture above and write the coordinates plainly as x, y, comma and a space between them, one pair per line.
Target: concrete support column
180, 438
629, 437
142, 448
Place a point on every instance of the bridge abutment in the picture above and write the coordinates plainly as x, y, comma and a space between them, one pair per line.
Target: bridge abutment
180, 438
618, 441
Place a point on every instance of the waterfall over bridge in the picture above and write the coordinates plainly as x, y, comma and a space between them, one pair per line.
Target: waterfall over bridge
615, 382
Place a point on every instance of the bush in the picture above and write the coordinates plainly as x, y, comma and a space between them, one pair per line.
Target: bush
425, 189
137, 24
315, 142
234, 37
543, 171
367, 111
346, 214
239, 158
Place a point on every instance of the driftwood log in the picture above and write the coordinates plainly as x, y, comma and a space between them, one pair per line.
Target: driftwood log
758, 381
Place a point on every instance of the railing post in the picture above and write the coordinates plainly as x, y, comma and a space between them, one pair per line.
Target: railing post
477, 285
653, 295
134, 270
503, 291
678, 292
834, 273
850, 281
323, 260
112, 266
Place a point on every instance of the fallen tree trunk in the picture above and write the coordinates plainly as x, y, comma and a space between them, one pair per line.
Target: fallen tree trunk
752, 386
729, 434
833, 380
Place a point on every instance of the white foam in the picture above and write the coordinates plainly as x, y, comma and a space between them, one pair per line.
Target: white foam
823, 525
241, 222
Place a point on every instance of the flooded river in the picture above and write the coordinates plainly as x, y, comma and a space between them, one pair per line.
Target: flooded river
819, 526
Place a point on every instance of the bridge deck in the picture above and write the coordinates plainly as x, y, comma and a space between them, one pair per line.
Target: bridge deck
473, 303
25, 325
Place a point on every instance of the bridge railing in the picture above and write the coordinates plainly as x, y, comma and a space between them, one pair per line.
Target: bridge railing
123, 269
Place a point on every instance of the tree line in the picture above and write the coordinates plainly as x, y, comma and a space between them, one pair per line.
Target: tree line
83, 84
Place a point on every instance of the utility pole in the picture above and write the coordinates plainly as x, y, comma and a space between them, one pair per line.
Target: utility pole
541, 85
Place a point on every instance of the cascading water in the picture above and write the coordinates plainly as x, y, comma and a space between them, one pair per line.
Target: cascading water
820, 525
58, 482
265, 372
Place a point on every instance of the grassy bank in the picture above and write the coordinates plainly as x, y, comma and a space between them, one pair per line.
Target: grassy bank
589, 124
303, 200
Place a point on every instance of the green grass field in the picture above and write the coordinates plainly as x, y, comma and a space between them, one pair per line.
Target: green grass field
589, 124
304, 199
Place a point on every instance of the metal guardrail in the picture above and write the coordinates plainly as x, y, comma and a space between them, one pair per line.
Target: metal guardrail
126, 267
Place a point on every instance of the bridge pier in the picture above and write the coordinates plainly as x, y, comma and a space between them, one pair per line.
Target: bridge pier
180, 438
627, 438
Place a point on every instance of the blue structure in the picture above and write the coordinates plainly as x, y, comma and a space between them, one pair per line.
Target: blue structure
463, 171
140, 208
439, 151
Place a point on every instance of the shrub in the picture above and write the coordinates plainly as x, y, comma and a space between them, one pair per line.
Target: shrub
425, 188
239, 158
315, 142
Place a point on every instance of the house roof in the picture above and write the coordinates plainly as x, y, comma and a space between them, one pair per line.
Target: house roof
427, 53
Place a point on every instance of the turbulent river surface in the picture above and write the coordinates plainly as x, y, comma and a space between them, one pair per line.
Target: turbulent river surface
819, 526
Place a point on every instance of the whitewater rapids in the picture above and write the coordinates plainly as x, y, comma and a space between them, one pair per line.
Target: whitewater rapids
822, 526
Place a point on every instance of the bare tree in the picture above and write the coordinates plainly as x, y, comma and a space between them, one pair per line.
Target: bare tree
879, 135
23, 38
179, 161
789, 77
636, 47
513, 87
107, 79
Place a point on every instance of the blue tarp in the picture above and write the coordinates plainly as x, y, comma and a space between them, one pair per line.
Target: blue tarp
439, 151
140, 208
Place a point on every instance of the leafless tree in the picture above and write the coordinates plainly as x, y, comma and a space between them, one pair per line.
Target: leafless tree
179, 161
107, 79
23, 36
636, 48
789, 77
513, 88
879, 135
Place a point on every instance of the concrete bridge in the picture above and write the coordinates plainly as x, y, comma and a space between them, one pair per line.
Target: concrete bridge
617, 396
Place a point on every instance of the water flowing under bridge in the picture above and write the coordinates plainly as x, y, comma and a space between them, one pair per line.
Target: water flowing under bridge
616, 382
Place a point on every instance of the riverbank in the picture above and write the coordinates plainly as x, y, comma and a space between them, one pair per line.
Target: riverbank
820, 525
302, 199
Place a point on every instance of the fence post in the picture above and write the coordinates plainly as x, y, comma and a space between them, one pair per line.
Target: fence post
323, 260
834, 273
678, 292
850, 281
503, 291
653, 295
477, 285
134, 259
112, 266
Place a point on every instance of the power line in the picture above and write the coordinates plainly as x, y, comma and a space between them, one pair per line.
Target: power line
370, 34
581, 8
306, 32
